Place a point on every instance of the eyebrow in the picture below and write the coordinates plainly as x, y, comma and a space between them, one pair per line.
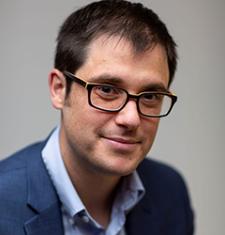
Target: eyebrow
155, 87
106, 78
117, 81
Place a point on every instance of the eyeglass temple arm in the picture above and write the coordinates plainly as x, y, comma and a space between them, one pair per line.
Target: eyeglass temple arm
75, 79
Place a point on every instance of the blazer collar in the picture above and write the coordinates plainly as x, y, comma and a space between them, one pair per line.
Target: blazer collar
140, 218
41, 193
42, 197
143, 218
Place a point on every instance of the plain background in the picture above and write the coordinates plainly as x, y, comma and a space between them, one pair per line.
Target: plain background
191, 138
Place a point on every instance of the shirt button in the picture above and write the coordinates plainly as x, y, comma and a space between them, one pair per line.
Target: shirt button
72, 222
85, 218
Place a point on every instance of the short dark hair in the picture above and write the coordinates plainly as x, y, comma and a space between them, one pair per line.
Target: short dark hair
132, 21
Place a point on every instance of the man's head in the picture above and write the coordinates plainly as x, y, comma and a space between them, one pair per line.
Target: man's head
131, 21
114, 48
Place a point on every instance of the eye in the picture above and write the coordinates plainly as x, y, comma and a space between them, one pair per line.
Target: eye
106, 89
107, 92
151, 98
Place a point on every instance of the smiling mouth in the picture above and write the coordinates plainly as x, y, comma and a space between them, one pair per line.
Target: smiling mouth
123, 140
122, 144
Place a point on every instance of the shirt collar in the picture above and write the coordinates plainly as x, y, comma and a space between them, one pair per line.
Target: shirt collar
54, 163
130, 192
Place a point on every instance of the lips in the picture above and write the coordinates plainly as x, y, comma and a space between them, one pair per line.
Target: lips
121, 144
123, 140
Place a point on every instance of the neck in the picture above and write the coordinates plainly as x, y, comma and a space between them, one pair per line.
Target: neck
96, 189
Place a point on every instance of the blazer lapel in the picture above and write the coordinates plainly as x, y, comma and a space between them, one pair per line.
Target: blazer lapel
140, 220
145, 218
46, 223
42, 199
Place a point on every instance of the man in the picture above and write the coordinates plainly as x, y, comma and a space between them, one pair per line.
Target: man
114, 64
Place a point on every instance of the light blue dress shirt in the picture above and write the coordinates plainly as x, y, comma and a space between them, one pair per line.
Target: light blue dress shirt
76, 219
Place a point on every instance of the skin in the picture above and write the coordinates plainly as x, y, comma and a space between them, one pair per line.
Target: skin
98, 148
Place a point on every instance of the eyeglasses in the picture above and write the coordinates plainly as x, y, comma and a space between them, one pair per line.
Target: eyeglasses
105, 97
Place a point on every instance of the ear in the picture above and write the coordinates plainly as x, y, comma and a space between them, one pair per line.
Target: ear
57, 88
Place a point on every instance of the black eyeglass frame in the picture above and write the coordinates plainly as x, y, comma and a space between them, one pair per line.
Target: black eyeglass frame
89, 87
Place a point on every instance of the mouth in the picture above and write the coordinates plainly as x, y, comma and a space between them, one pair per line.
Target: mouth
122, 144
123, 140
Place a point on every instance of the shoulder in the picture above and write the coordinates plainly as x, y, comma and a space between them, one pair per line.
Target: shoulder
151, 169
161, 179
166, 200
13, 170
18, 160
25, 189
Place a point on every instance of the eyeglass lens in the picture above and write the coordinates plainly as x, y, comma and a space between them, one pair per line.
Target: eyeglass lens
110, 98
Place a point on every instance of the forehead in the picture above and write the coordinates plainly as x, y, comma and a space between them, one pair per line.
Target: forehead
115, 57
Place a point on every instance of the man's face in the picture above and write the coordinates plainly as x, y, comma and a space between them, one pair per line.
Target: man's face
104, 142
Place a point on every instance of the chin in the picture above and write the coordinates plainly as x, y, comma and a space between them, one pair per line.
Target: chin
122, 168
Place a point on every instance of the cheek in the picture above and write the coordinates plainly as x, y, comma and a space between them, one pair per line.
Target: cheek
85, 121
150, 129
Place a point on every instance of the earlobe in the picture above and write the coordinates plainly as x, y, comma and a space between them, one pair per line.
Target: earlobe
57, 88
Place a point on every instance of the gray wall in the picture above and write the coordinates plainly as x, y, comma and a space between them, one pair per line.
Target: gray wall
191, 138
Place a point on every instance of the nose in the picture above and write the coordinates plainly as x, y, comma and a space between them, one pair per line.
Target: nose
128, 116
